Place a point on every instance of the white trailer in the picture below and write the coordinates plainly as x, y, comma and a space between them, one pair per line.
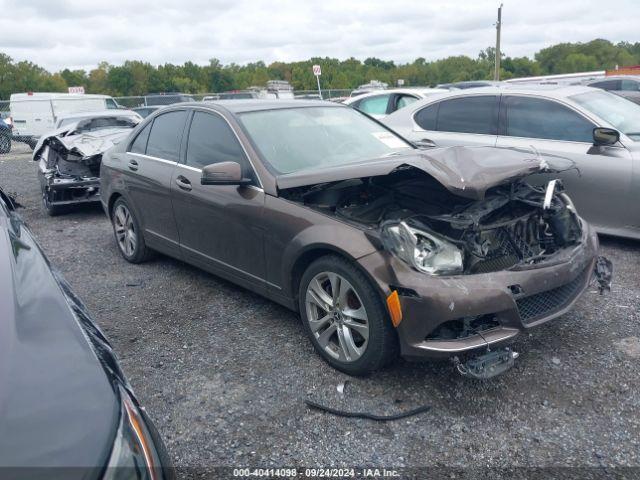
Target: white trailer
34, 113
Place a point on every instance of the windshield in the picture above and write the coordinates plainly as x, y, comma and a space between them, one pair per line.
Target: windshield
298, 138
622, 114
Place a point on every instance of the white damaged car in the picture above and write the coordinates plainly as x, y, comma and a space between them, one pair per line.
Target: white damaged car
69, 157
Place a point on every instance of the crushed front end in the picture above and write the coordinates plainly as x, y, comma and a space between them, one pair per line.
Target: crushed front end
469, 273
476, 276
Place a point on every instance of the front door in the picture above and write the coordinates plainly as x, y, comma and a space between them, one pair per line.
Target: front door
598, 179
221, 226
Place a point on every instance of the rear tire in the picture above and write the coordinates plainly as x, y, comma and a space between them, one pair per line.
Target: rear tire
351, 330
126, 229
51, 209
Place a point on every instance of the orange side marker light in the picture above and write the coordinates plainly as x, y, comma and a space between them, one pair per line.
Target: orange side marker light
393, 304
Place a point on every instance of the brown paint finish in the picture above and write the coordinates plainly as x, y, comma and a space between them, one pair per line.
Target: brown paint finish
256, 238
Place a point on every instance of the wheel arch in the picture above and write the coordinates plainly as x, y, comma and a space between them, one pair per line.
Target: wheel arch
112, 200
316, 251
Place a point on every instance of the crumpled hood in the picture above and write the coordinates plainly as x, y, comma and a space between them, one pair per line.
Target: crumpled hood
465, 171
85, 144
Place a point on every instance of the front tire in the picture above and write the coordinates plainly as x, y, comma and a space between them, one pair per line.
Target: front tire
128, 233
345, 318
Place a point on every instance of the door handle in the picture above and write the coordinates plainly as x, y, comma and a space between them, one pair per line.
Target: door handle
133, 165
183, 183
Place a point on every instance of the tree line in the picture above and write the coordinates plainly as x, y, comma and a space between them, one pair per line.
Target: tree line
135, 77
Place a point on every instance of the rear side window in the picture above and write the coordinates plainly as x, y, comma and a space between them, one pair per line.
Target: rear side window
607, 85
629, 85
427, 117
539, 118
211, 140
139, 145
165, 136
468, 115
374, 105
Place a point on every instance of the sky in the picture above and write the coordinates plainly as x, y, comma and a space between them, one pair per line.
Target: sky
79, 34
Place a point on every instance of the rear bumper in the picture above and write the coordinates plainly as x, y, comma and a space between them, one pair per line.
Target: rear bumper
516, 299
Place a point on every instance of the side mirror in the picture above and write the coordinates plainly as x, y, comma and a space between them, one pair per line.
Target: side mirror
605, 136
223, 173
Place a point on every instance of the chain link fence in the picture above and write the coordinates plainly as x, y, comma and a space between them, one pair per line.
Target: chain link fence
170, 98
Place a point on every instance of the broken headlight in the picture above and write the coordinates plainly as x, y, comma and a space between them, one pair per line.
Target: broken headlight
423, 251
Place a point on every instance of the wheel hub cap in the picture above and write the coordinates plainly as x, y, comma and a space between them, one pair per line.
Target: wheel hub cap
337, 317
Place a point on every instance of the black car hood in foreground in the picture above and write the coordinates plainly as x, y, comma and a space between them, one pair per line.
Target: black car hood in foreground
59, 405
465, 171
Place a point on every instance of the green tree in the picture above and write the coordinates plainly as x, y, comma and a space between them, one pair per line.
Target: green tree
135, 77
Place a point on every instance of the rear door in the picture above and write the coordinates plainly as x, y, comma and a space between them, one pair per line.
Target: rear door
220, 226
601, 181
465, 120
151, 159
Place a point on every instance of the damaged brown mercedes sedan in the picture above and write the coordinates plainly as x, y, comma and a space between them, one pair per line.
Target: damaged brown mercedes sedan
381, 247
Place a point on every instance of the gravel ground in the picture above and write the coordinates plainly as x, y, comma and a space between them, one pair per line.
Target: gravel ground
224, 372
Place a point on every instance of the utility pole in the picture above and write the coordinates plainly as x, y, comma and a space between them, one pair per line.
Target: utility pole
496, 75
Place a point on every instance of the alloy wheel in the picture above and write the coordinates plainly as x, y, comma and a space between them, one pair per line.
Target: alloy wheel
337, 317
125, 230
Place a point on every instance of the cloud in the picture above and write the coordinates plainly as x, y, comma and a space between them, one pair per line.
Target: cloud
78, 34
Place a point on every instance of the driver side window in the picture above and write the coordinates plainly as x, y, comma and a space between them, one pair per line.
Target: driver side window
539, 118
211, 140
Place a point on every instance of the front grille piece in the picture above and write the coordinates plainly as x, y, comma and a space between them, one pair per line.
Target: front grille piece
545, 303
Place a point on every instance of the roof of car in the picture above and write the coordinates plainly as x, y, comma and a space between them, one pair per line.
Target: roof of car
254, 104
615, 77
407, 90
98, 113
555, 91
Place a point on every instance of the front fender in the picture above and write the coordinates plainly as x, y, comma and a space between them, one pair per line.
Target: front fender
333, 236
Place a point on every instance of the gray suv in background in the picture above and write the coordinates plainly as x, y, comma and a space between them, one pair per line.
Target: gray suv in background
597, 132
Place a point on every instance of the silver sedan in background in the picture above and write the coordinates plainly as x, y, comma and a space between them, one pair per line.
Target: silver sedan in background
598, 132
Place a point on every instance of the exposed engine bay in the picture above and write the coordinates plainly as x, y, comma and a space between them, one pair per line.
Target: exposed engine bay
418, 219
